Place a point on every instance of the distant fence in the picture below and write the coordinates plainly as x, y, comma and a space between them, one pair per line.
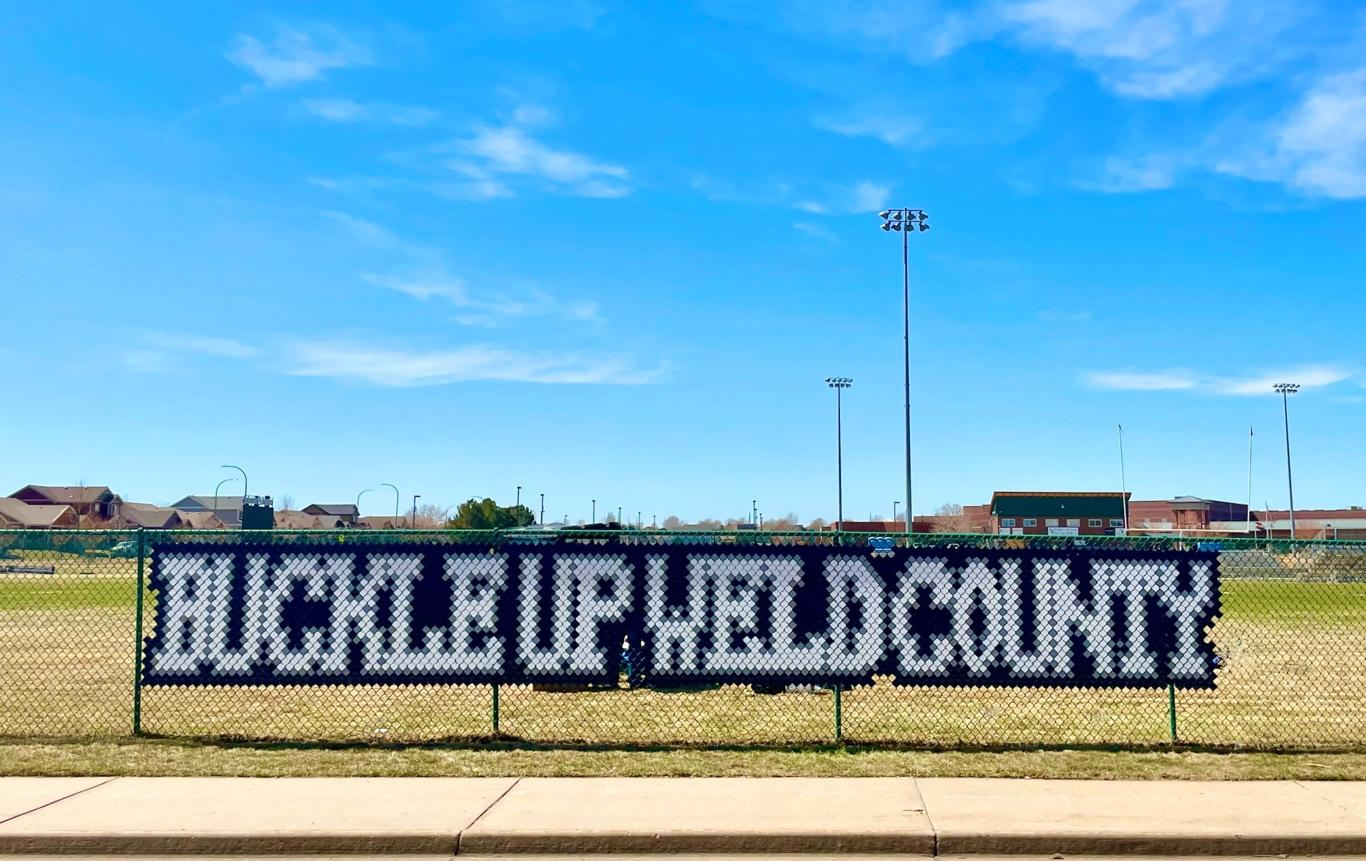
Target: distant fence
683, 637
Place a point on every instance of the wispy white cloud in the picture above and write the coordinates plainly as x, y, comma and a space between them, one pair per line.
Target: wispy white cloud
1058, 315
166, 352
486, 309
226, 348
1318, 147
297, 56
816, 231
1151, 172
1308, 376
397, 367
490, 154
349, 111
889, 125
1142, 382
363, 231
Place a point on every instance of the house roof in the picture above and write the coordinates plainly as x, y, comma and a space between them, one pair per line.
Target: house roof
333, 509
383, 521
204, 502
24, 514
1017, 503
201, 520
64, 495
150, 516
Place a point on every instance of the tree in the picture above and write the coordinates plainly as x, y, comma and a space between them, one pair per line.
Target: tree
673, 523
487, 514
949, 517
286, 502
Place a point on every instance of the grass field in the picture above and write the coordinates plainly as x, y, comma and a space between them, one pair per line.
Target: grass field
1293, 676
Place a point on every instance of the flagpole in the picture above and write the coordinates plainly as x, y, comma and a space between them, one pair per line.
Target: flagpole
1249, 481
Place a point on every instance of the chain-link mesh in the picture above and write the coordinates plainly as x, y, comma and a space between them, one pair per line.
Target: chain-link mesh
1288, 645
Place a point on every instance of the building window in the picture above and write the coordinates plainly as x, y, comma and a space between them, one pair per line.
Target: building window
1074, 521
1031, 521
1052, 521
1007, 521
1095, 522
1116, 522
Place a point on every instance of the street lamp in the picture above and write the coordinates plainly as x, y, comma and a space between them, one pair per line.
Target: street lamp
541, 519
518, 503
895, 503
358, 496
839, 384
416, 497
595, 512
244, 478
215, 494
397, 498
1287, 389
903, 221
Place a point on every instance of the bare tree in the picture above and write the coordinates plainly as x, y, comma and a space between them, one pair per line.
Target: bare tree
673, 523
430, 516
286, 502
949, 517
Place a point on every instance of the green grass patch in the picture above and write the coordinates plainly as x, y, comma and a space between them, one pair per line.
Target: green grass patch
57, 593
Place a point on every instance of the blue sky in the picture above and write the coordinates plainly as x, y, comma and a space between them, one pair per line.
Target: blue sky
611, 251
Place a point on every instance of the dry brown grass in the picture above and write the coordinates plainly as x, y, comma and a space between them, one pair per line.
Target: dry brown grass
1294, 676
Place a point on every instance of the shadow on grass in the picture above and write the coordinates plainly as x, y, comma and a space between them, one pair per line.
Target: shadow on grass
494, 744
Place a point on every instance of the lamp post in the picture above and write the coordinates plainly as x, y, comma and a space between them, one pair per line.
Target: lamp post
595, 512
398, 499
358, 496
244, 478
215, 494
839, 384
541, 519
895, 503
1286, 390
904, 221
519, 496
416, 497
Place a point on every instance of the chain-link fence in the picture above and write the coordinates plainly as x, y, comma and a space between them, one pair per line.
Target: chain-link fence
77, 608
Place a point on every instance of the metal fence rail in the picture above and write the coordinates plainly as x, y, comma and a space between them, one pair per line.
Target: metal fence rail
1290, 643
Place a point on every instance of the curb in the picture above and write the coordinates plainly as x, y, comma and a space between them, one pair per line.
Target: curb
644, 843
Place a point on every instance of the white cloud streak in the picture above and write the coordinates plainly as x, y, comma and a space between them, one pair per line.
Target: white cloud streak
349, 111
296, 56
400, 368
493, 153
486, 310
1308, 376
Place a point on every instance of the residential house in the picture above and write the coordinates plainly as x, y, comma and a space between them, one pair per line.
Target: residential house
139, 515
382, 521
289, 519
91, 504
346, 513
227, 509
17, 514
1058, 512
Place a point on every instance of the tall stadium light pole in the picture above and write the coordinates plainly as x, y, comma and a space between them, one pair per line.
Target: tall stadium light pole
904, 221
358, 496
244, 478
839, 384
541, 519
595, 512
1286, 390
398, 498
1249, 481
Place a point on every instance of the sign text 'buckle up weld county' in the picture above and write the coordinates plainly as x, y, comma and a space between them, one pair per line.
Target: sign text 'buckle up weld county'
433, 613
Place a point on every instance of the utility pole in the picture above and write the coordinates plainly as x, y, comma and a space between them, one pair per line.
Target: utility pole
541, 519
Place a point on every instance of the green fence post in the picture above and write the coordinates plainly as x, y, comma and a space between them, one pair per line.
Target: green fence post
137, 637
495, 711
839, 715
1171, 710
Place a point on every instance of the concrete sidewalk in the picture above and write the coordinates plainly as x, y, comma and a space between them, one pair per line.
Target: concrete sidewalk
445, 816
